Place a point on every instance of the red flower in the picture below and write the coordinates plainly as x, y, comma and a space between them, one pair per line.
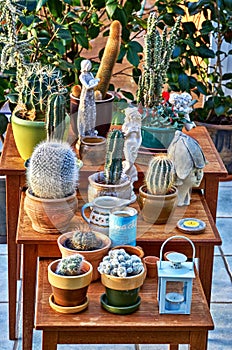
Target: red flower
166, 95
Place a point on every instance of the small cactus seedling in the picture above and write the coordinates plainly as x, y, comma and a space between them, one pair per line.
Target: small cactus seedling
160, 175
52, 171
120, 264
70, 266
84, 240
114, 153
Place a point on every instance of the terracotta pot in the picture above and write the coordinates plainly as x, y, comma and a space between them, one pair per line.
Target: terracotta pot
50, 215
97, 187
151, 265
92, 150
131, 250
70, 291
93, 256
104, 109
157, 209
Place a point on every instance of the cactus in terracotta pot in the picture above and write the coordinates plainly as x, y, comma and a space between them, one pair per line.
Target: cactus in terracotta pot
84, 240
70, 266
52, 170
159, 177
114, 152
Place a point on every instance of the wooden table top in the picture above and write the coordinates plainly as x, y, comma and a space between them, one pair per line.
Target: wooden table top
146, 318
11, 162
145, 231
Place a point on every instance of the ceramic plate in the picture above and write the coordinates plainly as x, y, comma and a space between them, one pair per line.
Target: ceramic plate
191, 225
124, 310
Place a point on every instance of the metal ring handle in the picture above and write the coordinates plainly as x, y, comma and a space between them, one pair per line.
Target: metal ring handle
173, 237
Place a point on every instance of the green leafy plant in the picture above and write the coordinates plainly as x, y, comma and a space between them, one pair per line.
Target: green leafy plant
197, 65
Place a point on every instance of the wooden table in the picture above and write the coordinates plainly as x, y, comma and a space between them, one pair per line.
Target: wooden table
12, 165
145, 326
150, 237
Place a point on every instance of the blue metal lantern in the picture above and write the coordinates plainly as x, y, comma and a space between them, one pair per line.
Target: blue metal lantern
175, 278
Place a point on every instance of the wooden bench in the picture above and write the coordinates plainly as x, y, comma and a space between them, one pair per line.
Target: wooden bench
145, 326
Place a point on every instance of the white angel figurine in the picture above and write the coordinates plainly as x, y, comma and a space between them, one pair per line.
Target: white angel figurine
189, 161
133, 139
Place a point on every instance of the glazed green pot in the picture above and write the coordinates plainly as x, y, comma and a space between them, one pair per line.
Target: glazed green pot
159, 138
122, 298
28, 134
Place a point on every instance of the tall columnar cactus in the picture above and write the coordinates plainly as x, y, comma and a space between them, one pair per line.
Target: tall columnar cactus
37, 84
84, 241
70, 266
52, 171
160, 175
55, 116
108, 60
157, 54
113, 160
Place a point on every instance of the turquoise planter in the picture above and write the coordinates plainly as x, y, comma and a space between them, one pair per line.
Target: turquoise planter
159, 138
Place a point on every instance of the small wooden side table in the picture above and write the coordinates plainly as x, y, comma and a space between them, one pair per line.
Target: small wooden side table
149, 237
145, 326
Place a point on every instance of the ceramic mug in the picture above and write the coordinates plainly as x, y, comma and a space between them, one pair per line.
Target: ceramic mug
123, 226
101, 207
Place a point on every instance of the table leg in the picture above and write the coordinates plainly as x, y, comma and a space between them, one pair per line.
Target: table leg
206, 254
173, 347
29, 285
50, 340
12, 209
211, 195
198, 340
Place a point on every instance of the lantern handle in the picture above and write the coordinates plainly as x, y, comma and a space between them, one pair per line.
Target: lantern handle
182, 237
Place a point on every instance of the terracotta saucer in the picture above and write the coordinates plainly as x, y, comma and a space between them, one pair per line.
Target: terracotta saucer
67, 309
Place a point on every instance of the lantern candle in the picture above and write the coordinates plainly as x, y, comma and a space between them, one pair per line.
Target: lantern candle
173, 301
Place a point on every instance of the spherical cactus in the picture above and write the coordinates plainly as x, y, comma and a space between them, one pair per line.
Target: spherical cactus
113, 160
160, 175
84, 241
120, 264
55, 116
70, 266
52, 171
109, 58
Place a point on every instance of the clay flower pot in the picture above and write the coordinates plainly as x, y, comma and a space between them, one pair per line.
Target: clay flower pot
93, 256
92, 150
157, 209
70, 291
97, 187
123, 291
151, 265
50, 215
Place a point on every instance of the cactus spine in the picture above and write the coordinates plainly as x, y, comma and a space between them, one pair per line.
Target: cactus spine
113, 161
37, 84
109, 58
157, 54
160, 175
52, 170
84, 241
70, 266
55, 116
